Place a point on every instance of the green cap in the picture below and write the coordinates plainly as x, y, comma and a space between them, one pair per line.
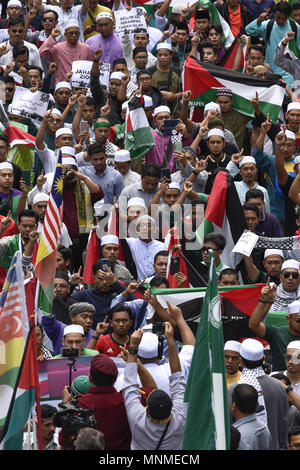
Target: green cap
80, 385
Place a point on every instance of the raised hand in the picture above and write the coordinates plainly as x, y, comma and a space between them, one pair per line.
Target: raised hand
41, 180
23, 186
263, 16
105, 110
289, 36
76, 277
169, 331
188, 187
186, 95
268, 292
102, 327
55, 32
5, 222
266, 126
133, 287
237, 157
3, 49
201, 165
136, 338
175, 312
97, 54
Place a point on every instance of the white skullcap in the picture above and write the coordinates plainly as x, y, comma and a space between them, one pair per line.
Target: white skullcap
15, 3
109, 239
290, 264
232, 346
56, 111
290, 134
293, 345
147, 101
98, 208
174, 185
294, 105
296, 160
270, 252
6, 166
177, 9
122, 156
148, 347
145, 217
161, 109
136, 201
68, 151
40, 197
69, 161
212, 105
73, 329
62, 85
72, 23
294, 307
247, 159
252, 350
63, 130
117, 75
164, 45
104, 14
215, 132
124, 105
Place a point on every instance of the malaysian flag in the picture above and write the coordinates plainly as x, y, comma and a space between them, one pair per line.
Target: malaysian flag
46, 255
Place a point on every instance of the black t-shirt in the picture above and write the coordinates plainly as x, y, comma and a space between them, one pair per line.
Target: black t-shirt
290, 226
211, 166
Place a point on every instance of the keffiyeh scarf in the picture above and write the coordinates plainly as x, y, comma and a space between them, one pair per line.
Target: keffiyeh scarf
250, 377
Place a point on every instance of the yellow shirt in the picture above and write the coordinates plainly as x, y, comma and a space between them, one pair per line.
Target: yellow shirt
88, 21
232, 378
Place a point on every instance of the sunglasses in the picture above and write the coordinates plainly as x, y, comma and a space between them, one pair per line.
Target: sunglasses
15, 31
48, 19
286, 275
9, 89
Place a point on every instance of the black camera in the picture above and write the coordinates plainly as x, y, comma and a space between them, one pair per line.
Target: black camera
158, 328
72, 418
67, 175
70, 352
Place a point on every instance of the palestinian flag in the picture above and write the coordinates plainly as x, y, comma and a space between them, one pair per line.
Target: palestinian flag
171, 241
204, 79
17, 136
216, 18
207, 424
18, 364
238, 303
138, 135
228, 58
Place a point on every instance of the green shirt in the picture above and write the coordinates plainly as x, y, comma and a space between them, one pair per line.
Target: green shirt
236, 123
85, 352
279, 337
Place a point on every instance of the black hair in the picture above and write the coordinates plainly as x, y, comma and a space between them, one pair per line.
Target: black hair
139, 49
140, 31
296, 6
209, 45
28, 213
40, 326
293, 432
8, 79
15, 21
150, 170
20, 50
120, 308
245, 397
62, 275
102, 380
258, 48
183, 26
216, 27
96, 148
36, 67
4, 139
120, 60
217, 238
143, 72
202, 15
281, 376
51, 11
252, 364
254, 194
65, 252
228, 271
157, 281
251, 207
283, 7
160, 253
235, 437
90, 101
47, 411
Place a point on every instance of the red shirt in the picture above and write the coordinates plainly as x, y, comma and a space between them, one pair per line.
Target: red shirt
107, 345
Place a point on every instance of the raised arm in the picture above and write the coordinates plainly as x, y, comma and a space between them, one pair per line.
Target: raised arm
294, 192
174, 361
267, 297
279, 159
186, 333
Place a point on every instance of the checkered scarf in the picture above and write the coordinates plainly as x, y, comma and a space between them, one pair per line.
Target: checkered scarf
250, 376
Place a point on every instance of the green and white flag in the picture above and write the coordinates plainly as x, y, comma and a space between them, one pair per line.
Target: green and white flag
138, 136
207, 423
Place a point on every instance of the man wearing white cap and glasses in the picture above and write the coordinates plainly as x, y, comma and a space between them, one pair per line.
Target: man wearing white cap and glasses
66, 52
122, 164
232, 361
272, 398
277, 336
64, 100
106, 39
272, 263
292, 361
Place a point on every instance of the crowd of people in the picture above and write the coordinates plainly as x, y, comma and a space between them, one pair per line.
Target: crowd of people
133, 182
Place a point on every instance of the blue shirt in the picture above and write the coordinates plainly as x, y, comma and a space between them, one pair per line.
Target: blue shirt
111, 181
255, 8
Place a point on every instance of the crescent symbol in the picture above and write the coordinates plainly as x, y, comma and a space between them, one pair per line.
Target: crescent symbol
19, 324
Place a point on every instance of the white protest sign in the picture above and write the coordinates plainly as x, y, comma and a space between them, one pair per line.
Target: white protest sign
28, 104
246, 243
4, 36
128, 21
17, 78
81, 73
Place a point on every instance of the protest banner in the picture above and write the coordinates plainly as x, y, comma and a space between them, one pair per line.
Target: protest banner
28, 104
128, 21
81, 73
4, 36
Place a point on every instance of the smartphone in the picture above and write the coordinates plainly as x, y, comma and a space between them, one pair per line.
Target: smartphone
84, 126
165, 173
174, 265
104, 261
178, 146
26, 177
169, 126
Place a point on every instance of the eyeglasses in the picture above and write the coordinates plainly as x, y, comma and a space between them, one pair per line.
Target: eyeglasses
296, 320
9, 89
61, 286
48, 19
145, 79
58, 121
15, 31
286, 275
206, 248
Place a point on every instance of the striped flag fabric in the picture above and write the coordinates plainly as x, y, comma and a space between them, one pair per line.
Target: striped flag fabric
207, 423
204, 79
18, 365
138, 135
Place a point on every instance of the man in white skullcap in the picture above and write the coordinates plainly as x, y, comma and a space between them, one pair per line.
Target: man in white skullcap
74, 337
288, 290
109, 248
106, 39
90, 26
66, 52
54, 123
232, 361
272, 263
272, 398
277, 336
66, 12
135, 208
292, 362
62, 95
122, 164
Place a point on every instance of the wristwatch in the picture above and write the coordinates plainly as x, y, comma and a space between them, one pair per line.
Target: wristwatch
132, 350
289, 388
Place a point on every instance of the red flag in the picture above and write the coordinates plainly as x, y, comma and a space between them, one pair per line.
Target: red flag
92, 256
174, 240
